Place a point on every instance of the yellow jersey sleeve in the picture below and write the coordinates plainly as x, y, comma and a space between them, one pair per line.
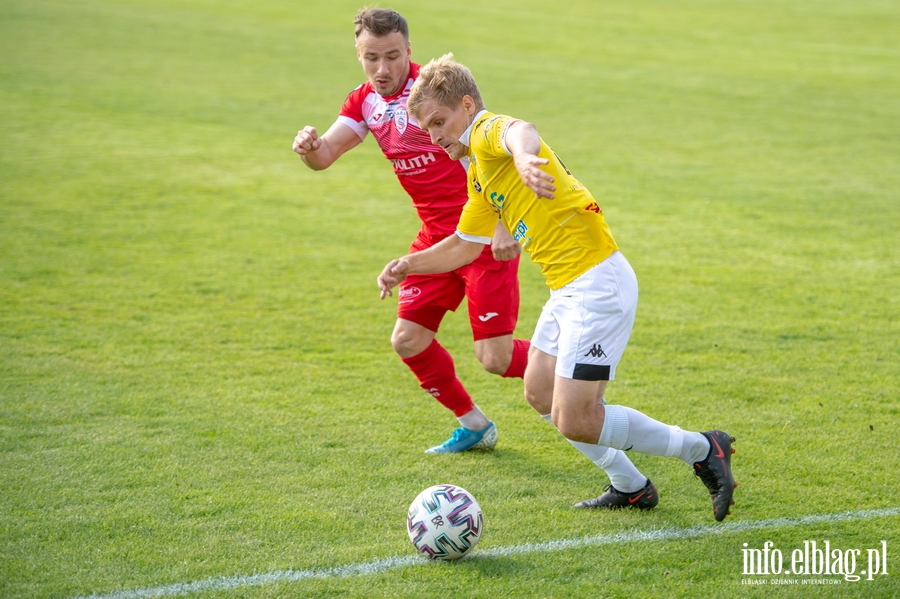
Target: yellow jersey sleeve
480, 214
477, 220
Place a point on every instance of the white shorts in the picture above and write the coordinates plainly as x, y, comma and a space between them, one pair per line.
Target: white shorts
586, 324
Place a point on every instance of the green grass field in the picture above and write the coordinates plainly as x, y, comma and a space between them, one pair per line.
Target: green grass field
198, 396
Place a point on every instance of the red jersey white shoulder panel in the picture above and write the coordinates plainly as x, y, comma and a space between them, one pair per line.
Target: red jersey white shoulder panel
436, 184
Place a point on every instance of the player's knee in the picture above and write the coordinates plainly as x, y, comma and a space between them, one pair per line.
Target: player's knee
407, 344
404, 347
495, 355
494, 363
574, 426
574, 429
541, 402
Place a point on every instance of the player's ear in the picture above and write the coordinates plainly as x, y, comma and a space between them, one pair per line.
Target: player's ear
469, 104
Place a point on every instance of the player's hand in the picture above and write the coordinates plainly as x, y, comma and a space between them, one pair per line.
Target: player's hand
538, 181
307, 141
393, 274
503, 246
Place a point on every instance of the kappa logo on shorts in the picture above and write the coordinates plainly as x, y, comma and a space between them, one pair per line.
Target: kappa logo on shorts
596, 352
408, 294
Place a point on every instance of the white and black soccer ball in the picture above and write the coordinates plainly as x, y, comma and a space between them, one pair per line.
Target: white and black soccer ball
444, 522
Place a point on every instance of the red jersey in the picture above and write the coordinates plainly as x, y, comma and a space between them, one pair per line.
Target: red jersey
436, 184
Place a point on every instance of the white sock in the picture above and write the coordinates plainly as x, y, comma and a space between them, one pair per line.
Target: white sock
622, 473
474, 420
626, 428
695, 451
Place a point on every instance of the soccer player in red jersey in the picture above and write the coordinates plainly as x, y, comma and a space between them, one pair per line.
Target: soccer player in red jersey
437, 186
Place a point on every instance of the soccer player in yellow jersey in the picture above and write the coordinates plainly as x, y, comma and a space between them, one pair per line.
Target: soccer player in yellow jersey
514, 177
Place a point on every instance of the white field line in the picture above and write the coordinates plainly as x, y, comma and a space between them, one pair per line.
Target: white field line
392, 563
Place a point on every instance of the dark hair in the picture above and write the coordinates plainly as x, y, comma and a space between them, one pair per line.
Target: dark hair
380, 22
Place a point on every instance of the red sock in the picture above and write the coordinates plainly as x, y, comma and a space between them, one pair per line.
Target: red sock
519, 359
437, 375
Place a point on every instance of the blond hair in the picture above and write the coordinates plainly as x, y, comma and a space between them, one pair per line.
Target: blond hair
445, 81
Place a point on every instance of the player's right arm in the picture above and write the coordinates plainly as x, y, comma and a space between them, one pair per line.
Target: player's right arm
447, 255
524, 144
319, 153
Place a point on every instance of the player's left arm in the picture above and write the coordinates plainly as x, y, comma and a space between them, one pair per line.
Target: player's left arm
451, 253
524, 143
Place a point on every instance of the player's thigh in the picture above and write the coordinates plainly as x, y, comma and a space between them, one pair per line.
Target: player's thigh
576, 408
425, 299
576, 396
595, 315
492, 289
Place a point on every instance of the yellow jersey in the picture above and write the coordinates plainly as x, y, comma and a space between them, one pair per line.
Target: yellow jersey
565, 236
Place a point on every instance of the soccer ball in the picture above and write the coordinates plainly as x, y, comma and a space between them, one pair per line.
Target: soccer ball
444, 522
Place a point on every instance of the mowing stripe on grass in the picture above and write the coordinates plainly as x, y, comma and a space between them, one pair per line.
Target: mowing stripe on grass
392, 563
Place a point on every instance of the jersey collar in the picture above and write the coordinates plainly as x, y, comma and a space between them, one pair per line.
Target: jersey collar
465, 138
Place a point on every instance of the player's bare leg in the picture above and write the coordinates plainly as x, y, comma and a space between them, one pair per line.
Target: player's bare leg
433, 366
503, 355
495, 354
539, 377
410, 338
626, 481
581, 417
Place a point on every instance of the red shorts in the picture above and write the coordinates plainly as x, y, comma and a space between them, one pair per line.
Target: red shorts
492, 287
